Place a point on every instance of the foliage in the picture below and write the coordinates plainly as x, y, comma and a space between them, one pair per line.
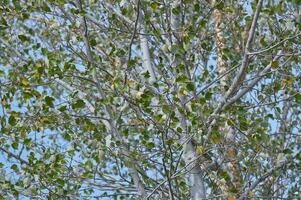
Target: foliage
84, 116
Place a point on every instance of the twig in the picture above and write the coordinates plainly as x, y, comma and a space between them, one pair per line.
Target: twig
275, 45
265, 176
135, 30
244, 64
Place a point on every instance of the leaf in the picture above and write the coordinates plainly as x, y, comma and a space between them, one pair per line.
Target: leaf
23, 134
150, 145
183, 92
62, 108
190, 86
154, 5
3, 23
4, 102
46, 8
146, 74
186, 39
78, 104
216, 137
23, 38
2, 73
181, 79
200, 150
208, 95
15, 145
24, 81
93, 42
14, 167
12, 120
179, 130
197, 7
220, 5
176, 11
49, 101
274, 64
230, 197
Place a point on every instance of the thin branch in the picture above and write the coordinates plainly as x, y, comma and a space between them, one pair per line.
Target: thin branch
14, 156
265, 176
135, 30
241, 73
275, 45
252, 84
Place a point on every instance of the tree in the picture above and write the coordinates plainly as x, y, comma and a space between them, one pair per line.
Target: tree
145, 99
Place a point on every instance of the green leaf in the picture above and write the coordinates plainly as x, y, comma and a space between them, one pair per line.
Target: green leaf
15, 145
150, 145
220, 5
146, 74
49, 101
155, 5
197, 7
179, 130
190, 86
23, 38
25, 16
93, 42
12, 120
27, 141
78, 104
208, 95
14, 167
62, 108
176, 11
181, 79
3, 23
216, 137
46, 8
88, 164
186, 39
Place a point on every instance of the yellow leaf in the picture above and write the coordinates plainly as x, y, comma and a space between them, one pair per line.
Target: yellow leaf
183, 92
24, 81
4, 102
23, 134
200, 150
230, 197
130, 82
274, 64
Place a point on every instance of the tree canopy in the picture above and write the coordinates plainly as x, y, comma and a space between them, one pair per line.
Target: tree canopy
140, 99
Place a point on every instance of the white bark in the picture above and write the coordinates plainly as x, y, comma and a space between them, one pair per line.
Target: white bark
146, 59
252, 83
111, 126
245, 61
195, 173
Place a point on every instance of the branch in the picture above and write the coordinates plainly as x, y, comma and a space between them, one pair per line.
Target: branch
265, 176
241, 73
146, 59
135, 30
272, 47
125, 19
253, 82
81, 94
14, 156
